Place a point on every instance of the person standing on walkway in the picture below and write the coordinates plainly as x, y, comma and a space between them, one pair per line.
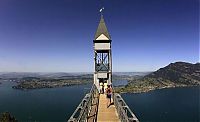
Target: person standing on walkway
102, 88
108, 95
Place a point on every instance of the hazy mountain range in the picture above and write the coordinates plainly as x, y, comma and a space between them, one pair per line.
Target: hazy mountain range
19, 75
176, 74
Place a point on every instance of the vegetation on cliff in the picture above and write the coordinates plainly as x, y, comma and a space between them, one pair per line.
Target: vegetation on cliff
6, 117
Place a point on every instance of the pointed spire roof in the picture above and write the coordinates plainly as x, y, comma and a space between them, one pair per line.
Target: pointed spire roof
102, 29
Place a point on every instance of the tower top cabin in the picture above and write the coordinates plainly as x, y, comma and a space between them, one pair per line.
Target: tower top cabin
102, 56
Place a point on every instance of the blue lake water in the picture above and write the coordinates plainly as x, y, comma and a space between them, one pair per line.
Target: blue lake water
57, 104
166, 105
53, 104
120, 83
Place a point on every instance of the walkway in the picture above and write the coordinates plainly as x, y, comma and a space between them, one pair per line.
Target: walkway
104, 113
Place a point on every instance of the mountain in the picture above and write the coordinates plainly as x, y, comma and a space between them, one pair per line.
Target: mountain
176, 74
20, 75
63, 75
179, 72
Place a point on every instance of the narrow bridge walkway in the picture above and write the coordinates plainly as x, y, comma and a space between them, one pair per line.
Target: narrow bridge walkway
93, 108
106, 114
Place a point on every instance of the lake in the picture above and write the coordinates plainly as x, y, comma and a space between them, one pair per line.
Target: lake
53, 104
166, 105
57, 104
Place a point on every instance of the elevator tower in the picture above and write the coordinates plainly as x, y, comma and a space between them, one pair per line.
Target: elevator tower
102, 55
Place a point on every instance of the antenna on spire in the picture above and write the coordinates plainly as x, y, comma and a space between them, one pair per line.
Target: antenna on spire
101, 11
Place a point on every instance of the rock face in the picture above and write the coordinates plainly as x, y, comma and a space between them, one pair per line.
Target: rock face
177, 74
6, 117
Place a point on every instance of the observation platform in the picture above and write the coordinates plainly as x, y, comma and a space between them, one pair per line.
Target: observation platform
93, 108
108, 114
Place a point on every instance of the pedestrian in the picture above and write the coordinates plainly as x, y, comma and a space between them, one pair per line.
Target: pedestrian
102, 88
108, 95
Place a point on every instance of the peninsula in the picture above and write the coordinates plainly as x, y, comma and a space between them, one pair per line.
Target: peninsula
38, 83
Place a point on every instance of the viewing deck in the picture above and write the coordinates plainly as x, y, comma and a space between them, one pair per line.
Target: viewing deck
93, 108
106, 114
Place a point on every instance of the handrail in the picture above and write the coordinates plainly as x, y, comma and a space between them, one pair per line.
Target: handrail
84, 109
124, 112
88, 108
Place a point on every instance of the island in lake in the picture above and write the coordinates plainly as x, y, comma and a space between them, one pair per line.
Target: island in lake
179, 74
52, 82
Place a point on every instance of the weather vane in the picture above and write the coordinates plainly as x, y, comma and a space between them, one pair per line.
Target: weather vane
101, 10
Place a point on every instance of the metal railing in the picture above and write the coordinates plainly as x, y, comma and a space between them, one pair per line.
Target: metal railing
88, 108
85, 110
124, 112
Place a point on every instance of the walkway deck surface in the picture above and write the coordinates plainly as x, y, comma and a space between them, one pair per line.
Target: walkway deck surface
106, 114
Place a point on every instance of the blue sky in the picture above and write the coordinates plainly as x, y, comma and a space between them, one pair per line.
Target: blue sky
57, 35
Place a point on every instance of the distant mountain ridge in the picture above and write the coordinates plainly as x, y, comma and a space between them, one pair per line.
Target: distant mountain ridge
20, 75
178, 74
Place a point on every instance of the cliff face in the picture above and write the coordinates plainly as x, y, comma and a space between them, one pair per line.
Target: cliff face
179, 72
